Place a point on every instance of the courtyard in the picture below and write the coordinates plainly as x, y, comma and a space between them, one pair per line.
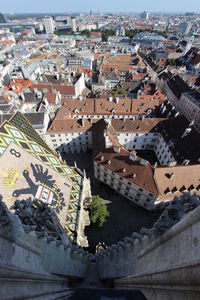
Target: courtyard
125, 217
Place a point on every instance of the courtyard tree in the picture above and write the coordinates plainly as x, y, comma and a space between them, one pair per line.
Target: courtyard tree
98, 211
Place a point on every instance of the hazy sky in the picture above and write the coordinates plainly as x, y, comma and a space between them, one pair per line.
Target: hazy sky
17, 6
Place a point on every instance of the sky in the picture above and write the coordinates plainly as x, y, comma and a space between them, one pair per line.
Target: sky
50, 6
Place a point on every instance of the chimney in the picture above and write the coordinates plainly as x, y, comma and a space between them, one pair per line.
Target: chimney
133, 156
116, 100
155, 165
173, 163
143, 162
110, 99
176, 115
191, 123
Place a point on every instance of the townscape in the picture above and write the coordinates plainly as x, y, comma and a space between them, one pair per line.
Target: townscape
100, 122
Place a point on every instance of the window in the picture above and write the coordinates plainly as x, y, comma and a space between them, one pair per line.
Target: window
141, 190
52, 135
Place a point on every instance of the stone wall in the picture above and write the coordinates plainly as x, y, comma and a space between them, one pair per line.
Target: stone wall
162, 262
32, 265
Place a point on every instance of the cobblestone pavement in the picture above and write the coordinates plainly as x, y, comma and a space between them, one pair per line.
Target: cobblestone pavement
125, 217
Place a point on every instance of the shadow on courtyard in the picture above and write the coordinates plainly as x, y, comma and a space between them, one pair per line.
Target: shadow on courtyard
125, 217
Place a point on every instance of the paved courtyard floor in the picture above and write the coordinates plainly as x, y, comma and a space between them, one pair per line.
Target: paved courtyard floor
125, 217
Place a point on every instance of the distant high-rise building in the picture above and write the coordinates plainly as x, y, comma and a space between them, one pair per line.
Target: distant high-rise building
2, 18
120, 31
91, 13
184, 28
144, 15
74, 24
49, 25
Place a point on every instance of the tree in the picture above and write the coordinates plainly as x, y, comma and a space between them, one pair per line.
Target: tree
86, 32
130, 33
106, 33
98, 211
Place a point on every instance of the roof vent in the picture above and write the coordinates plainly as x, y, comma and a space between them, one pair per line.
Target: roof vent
117, 149
186, 132
186, 162
174, 190
183, 189
191, 188
167, 191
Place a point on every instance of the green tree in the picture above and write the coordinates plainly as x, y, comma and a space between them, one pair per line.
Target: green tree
130, 33
98, 211
106, 33
86, 32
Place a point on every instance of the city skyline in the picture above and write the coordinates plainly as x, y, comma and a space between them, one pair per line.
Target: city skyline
24, 6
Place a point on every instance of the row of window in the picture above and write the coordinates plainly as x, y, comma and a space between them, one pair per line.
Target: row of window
67, 134
137, 197
119, 183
